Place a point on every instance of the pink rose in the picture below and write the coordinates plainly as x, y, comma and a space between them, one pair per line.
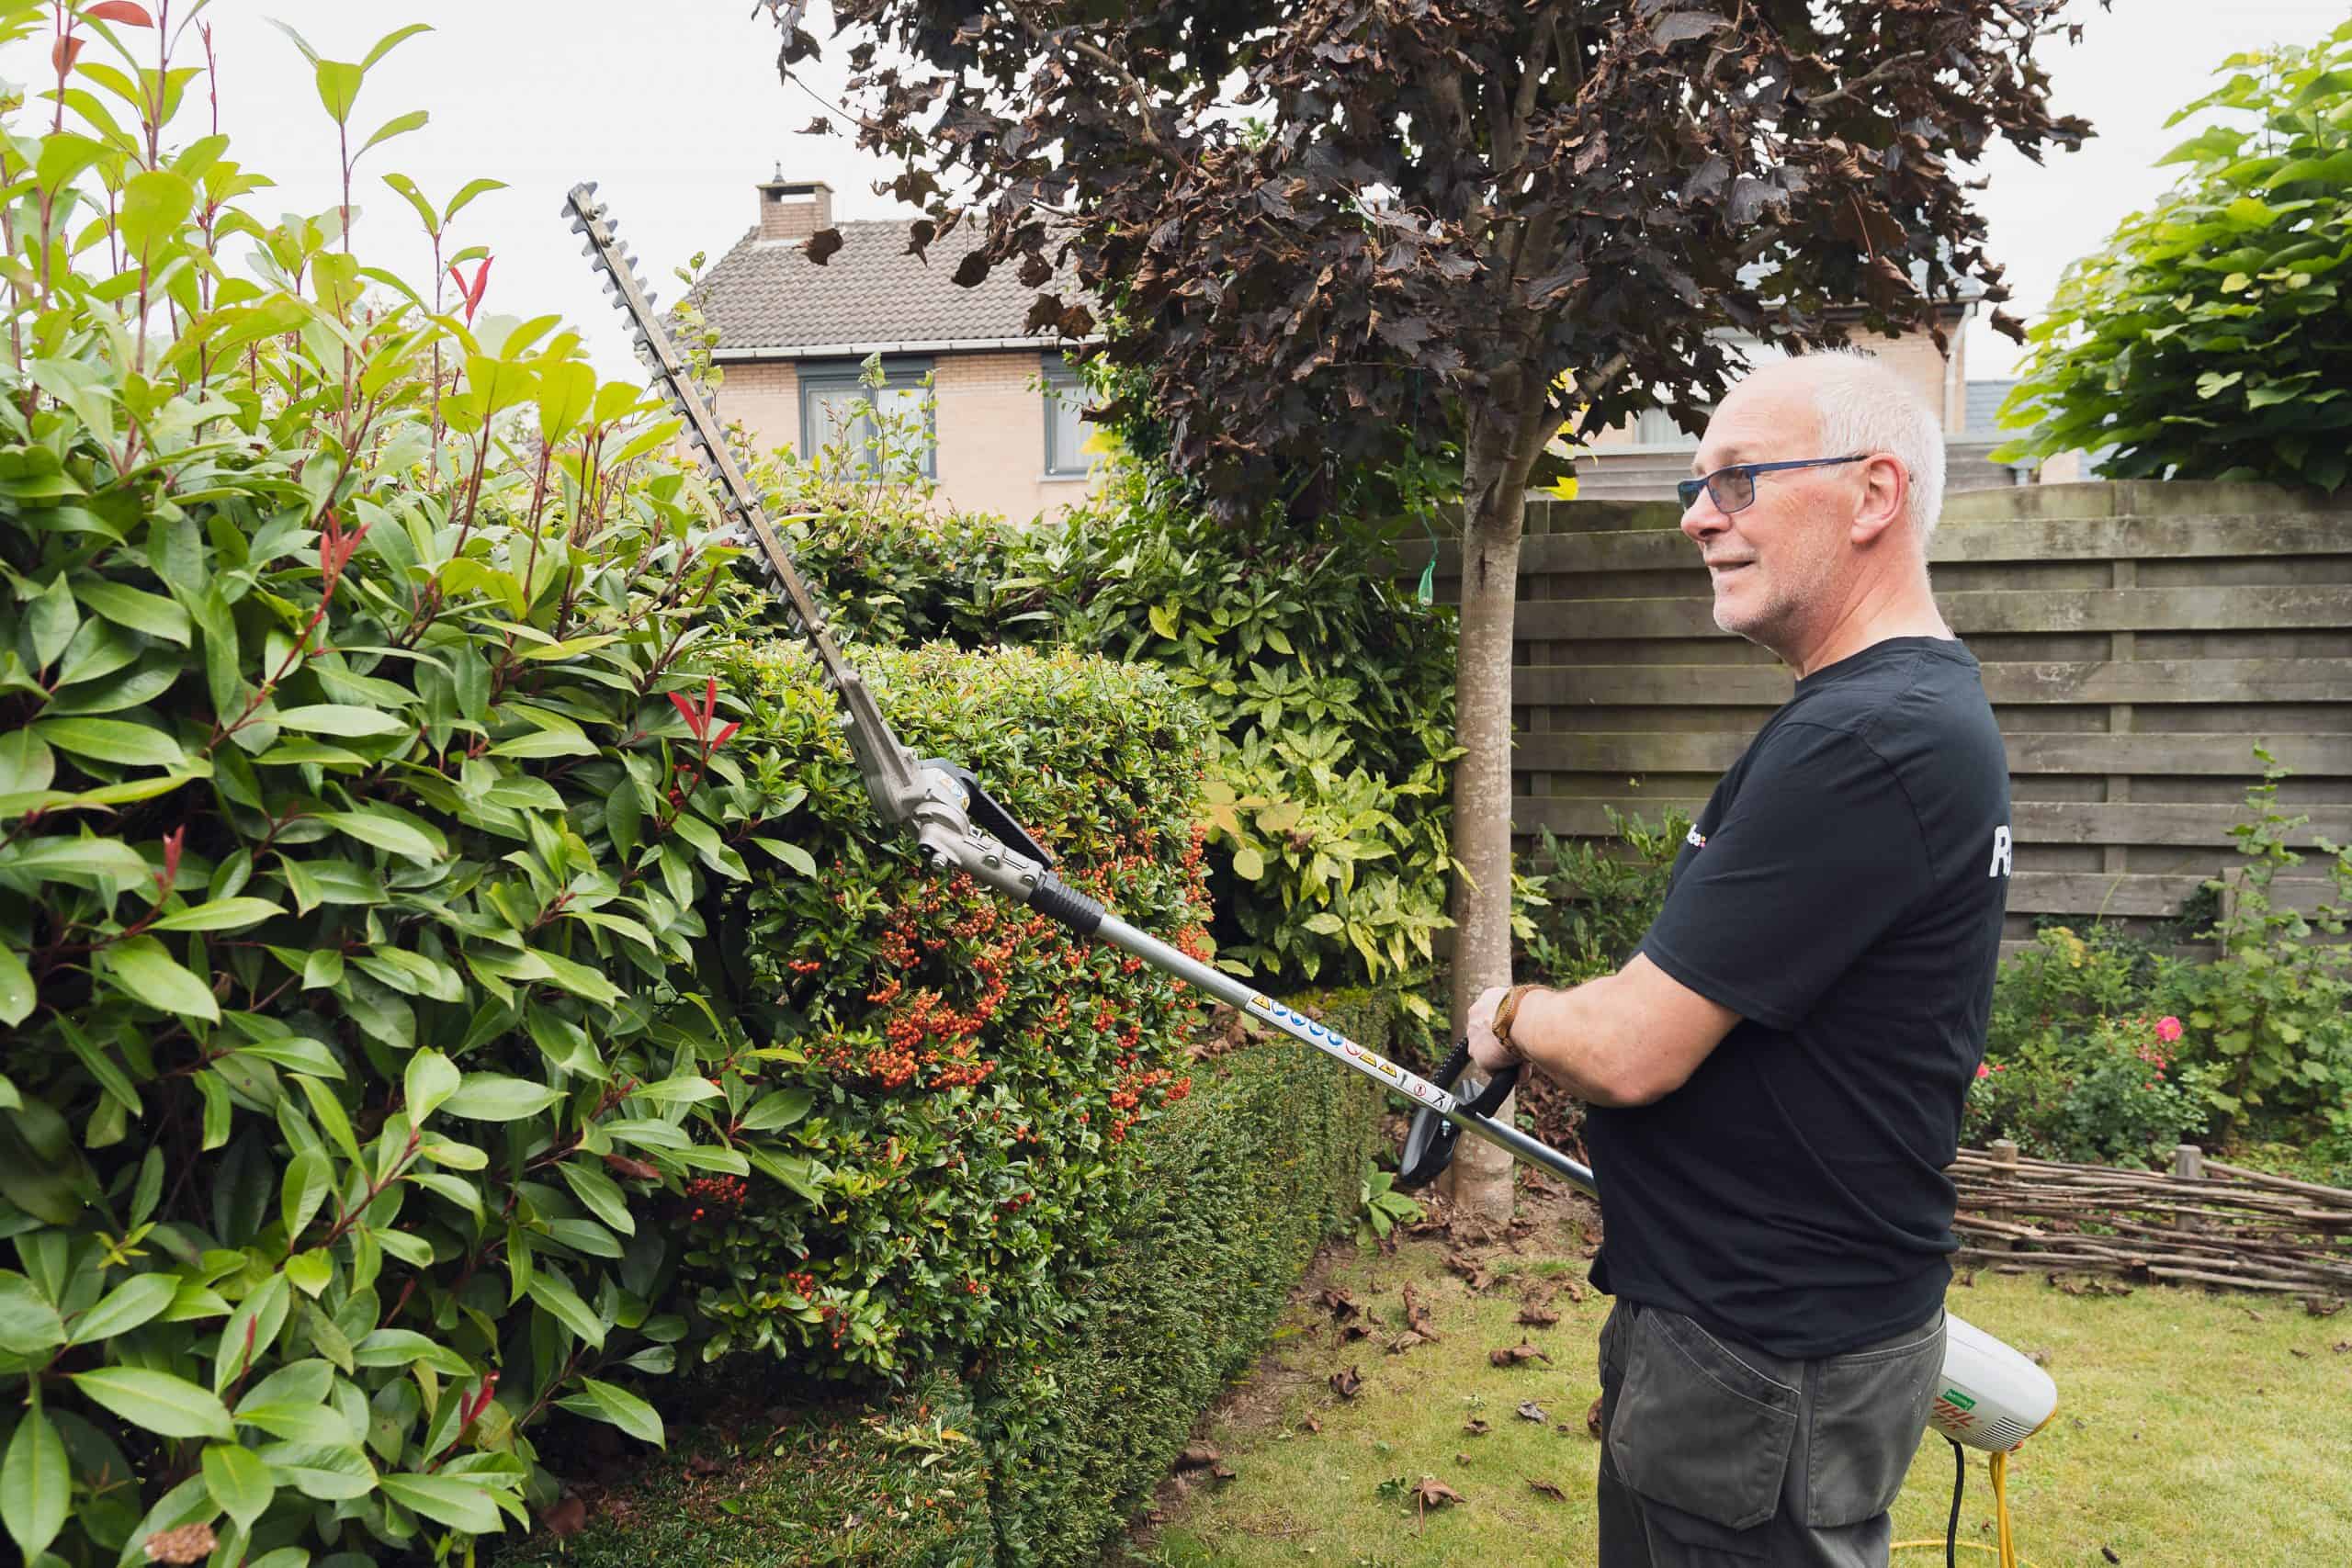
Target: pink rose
2168, 1029
1982, 1071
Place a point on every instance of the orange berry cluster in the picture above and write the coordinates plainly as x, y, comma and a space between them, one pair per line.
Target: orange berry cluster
1129, 1098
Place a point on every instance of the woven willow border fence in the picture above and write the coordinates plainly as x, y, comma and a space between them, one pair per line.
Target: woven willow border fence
2203, 1223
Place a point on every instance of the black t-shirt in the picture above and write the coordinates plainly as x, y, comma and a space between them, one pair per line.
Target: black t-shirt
1843, 893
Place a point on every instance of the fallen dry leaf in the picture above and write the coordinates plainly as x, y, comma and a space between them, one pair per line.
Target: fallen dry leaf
2341, 1346
1406, 1341
1311, 1424
1473, 1272
1461, 1459
188, 1543
1220, 1473
2323, 1306
1531, 1411
1416, 1316
566, 1518
1548, 1490
1339, 1303
1592, 1419
1522, 1352
704, 1464
1345, 1383
2252, 1314
2108, 1552
1200, 1456
1353, 1331
1435, 1493
2299, 1354
1538, 1317
1474, 1427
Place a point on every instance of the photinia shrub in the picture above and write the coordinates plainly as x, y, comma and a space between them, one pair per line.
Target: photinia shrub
972, 1072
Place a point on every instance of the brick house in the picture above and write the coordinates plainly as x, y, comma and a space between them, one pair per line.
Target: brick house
1003, 407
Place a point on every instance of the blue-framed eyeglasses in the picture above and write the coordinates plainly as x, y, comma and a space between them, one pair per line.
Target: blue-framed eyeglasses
1734, 489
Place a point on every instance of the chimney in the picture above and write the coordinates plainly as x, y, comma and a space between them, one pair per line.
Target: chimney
794, 209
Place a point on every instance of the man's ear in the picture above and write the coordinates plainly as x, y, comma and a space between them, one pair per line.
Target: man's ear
1886, 492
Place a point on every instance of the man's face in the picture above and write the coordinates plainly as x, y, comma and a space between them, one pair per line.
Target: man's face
1774, 563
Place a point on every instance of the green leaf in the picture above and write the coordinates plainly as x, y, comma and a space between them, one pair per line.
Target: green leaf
296, 1054
1248, 865
494, 1097
391, 41
29, 1321
157, 1401
431, 1078
135, 608
112, 740
36, 1484
602, 1402
26, 763
142, 967
565, 1306
399, 125
342, 719
152, 205
338, 82
686, 1088
447, 1500
51, 621
402, 1346
238, 1480
219, 915
600, 1193
130, 1304
782, 1108
385, 832
17, 993
310, 1177
311, 1271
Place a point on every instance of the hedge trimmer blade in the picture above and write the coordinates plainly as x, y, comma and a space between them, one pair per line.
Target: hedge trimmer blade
890, 770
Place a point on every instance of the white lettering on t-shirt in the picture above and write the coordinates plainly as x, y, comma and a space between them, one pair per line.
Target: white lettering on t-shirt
2000, 851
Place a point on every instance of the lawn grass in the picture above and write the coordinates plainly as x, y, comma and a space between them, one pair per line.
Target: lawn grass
2192, 1428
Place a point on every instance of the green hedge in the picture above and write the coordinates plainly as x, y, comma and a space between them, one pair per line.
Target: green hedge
1328, 687
1232, 1192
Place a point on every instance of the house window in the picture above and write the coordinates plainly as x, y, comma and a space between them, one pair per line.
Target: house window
1067, 397
839, 404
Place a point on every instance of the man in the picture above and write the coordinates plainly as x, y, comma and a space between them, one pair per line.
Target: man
1776, 1077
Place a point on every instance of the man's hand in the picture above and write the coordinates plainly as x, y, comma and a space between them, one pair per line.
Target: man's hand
1486, 1049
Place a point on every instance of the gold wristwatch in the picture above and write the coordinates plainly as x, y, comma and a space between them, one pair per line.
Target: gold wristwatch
1506, 1012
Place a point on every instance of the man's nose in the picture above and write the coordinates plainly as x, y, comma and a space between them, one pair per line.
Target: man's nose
1702, 519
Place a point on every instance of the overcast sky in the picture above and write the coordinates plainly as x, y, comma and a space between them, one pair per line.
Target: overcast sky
677, 110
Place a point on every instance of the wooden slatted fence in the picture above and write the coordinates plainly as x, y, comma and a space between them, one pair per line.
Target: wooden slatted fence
2139, 640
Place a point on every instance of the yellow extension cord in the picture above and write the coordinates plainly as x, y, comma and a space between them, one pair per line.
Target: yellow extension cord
2006, 1549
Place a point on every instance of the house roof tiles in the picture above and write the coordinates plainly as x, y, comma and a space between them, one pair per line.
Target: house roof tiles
767, 299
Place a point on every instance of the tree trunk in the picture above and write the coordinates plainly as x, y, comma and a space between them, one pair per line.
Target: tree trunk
1495, 463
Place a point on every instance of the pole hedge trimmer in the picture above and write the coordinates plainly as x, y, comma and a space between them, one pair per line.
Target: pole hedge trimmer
1991, 1397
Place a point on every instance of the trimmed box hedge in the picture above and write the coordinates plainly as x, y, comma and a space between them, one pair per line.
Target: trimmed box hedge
1232, 1192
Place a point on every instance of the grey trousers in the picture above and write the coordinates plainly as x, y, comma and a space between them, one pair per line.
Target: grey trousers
1714, 1455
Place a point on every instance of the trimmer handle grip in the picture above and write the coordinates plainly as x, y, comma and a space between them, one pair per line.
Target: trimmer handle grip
1428, 1142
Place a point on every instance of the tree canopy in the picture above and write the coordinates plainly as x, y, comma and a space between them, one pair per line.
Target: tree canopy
1311, 222
2209, 338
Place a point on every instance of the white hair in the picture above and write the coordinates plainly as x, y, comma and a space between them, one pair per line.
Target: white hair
1866, 407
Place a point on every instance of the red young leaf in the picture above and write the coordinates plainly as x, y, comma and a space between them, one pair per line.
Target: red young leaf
121, 11
63, 53
687, 711
720, 738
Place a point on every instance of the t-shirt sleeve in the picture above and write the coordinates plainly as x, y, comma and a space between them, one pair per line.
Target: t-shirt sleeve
1818, 855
